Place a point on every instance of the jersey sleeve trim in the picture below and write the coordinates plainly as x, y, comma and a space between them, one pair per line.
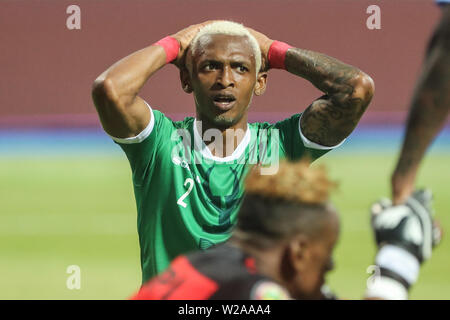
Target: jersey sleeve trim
312, 145
142, 135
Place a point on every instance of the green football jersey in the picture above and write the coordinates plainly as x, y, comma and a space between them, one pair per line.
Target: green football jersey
187, 199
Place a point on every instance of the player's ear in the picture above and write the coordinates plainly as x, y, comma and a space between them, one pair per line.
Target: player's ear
298, 249
293, 259
261, 83
185, 79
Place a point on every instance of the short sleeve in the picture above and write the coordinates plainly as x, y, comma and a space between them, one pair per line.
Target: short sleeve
142, 135
294, 144
142, 149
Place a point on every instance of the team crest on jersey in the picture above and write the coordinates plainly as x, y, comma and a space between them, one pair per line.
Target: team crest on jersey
268, 290
180, 162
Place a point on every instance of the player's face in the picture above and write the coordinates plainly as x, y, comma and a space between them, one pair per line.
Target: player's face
223, 79
318, 261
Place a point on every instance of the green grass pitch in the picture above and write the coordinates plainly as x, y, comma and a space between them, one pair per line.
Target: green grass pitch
62, 211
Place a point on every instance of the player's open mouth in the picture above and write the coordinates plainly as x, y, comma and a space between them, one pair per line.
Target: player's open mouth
224, 101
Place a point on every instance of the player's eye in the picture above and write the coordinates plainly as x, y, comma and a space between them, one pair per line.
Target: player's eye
210, 66
242, 69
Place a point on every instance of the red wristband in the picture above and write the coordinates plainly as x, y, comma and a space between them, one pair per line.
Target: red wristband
277, 54
170, 46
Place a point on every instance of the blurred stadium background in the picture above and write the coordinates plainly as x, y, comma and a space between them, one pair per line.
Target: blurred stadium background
65, 188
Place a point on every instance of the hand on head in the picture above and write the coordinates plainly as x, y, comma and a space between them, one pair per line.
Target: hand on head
264, 44
186, 35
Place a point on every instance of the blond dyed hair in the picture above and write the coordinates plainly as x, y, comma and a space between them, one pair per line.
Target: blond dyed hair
276, 207
295, 181
229, 28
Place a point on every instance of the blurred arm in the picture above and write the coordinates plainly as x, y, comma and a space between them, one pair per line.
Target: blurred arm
429, 110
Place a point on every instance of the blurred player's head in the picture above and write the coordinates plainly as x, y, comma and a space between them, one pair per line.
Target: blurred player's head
222, 70
287, 223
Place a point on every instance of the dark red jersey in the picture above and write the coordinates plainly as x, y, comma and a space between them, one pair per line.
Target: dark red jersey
223, 272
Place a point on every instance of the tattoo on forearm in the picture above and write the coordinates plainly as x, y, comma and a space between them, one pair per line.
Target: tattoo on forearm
329, 75
321, 118
333, 116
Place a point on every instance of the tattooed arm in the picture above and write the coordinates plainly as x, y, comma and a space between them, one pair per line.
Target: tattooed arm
348, 91
429, 110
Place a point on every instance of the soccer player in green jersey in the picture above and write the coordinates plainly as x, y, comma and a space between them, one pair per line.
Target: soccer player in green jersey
188, 175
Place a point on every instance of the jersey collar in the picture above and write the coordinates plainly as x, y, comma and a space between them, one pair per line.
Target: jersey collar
206, 153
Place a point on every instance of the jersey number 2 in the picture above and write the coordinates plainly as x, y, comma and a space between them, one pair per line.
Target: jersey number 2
191, 185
